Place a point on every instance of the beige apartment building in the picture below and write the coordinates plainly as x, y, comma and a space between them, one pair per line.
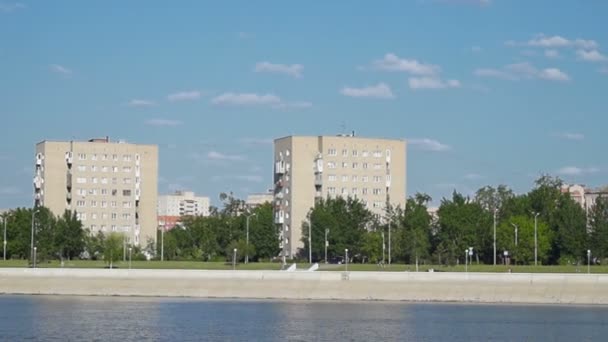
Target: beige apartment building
171, 208
313, 167
112, 186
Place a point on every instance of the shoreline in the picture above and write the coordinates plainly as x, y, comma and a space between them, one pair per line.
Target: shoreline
402, 287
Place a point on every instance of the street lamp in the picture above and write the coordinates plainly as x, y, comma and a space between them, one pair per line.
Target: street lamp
309, 240
326, 243
35, 248
130, 249
4, 240
162, 243
494, 244
466, 260
383, 247
588, 261
346, 259
234, 260
535, 238
32, 248
389, 242
506, 255
516, 227
247, 229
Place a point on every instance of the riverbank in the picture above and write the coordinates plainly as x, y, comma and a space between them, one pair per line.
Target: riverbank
525, 288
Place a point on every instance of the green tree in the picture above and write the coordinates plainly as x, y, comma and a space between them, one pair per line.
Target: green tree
113, 248
263, 233
413, 229
598, 224
371, 248
69, 236
570, 224
523, 251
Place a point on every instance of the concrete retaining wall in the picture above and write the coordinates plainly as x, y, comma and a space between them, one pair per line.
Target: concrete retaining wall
394, 286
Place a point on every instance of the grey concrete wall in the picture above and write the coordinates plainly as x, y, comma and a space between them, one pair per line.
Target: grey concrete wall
401, 286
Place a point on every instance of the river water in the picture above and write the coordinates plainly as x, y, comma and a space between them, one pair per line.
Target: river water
59, 318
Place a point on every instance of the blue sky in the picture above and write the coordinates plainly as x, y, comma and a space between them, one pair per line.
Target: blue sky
485, 91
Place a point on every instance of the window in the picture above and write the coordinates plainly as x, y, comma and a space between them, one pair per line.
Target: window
355, 191
355, 153
126, 181
82, 192
287, 153
137, 157
94, 216
365, 165
113, 204
377, 166
104, 204
388, 153
83, 216
286, 190
286, 203
81, 180
388, 178
115, 157
355, 165
104, 216
126, 157
365, 154
377, 191
114, 192
377, 153
344, 178
332, 152
331, 190
344, 153
114, 180
126, 169
354, 179
344, 165
80, 203
114, 216
364, 191
377, 204
104, 191
377, 179
114, 168
113, 227
126, 204
94, 168
331, 178
104, 157
126, 192
137, 179
94, 180
94, 204
93, 192
104, 180
94, 157
331, 165
82, 156
344, 191
82, 168
126, 216
364, 179
104, 169
93, 227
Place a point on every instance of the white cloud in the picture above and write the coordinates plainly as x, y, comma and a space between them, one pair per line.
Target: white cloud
163, 122
214, 155
572, 136
576, 171
431, 83
473, 176
256, 141
518, 71
293, 70
7, 8
591, 56
541, 40
427, 144
184, 96
293, 105
246, 99
554, 74
141, 103
60, 69
378, 91
551, 53
392, 62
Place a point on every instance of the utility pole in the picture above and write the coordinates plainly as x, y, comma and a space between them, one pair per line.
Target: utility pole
326, 243
494, 244
383, 247
4, 240
310, 241
162, 243
535, 239
389, 242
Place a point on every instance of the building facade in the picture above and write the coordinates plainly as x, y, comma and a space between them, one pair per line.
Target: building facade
112, 186
584, 196
308, 168
254, 200
181, 203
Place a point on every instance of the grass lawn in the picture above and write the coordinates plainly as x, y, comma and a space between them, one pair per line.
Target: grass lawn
322, 267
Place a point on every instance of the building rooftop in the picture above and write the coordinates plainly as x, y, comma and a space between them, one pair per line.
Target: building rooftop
350, 135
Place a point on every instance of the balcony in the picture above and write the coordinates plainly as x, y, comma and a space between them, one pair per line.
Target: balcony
68, 180
279, 217
38, 181
68, 196
319, 165
279, 183
279, 195
69, 158
279, 167
318, 180
37, 197
39, 158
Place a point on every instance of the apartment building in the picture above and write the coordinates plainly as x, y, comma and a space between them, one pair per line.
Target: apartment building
583, 195
181, 203
256, 199
313, 167
112, 186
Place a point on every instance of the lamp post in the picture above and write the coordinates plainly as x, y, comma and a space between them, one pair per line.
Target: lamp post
309, 240
506, 255
130, 249
32, 248
466, 260
383, 247
389, 242
35, 248
247, 243
535, 239
494, 244
162, 243
346, 259
4, 239
234, 260
588, 261
516, 227
326, 243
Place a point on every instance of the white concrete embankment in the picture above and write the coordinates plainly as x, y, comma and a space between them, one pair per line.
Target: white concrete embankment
394, 286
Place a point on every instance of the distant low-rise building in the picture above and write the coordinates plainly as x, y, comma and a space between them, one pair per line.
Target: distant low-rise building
171, 208
584, 196
256, 199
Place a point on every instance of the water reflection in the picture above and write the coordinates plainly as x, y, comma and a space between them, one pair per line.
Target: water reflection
41, 318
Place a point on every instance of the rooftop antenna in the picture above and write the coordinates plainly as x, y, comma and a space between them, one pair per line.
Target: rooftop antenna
343, 126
